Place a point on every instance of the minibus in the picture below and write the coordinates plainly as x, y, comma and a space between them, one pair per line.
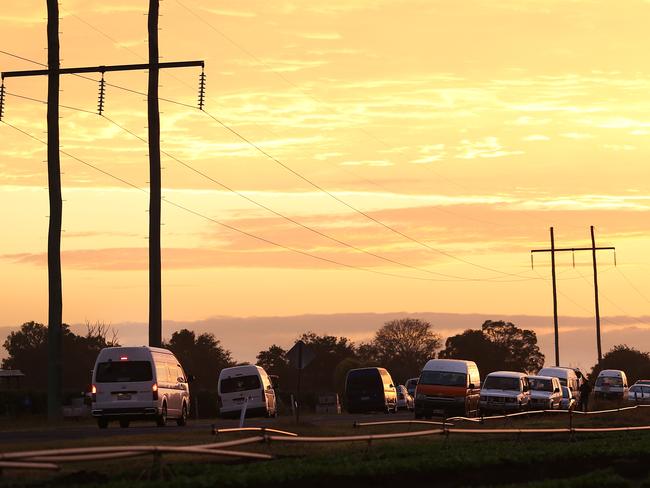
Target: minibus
370, 390
611, 384
136, 383
246, 386
448, 387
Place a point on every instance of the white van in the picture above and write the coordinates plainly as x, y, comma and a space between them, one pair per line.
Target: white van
567, 377
134, 383
248, 385
611, 384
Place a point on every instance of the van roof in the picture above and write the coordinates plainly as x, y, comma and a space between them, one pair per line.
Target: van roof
137, 352
451, 365
537, 377
559, 371
508, 374
611, 372
241, 369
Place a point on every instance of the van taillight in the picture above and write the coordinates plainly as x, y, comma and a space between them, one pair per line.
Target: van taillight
93, 391
154, 391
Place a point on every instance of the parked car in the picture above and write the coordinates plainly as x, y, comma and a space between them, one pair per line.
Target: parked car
404, 400
448, 387
567, 376
370, 390
639, 393
135, 383
411, 384
545, 392
505, 391
568, 400
642, 382
611, 384
246, 385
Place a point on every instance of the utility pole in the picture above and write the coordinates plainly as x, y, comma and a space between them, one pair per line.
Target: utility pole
593, 250
55, 303
53, 72
153, 114
593, 254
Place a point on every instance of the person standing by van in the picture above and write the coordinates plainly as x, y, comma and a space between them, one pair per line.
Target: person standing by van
585, 391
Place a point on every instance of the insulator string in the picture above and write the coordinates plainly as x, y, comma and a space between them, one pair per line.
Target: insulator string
202, 89
102, 95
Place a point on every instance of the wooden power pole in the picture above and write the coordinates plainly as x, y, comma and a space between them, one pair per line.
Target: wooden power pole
593, 250
53, 72
153, 115
55, 303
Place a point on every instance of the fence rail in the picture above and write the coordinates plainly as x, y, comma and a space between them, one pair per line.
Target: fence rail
49, 459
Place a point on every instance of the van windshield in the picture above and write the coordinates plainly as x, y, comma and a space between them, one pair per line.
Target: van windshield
362, 379
609, 381
501, 383
240, 383
539, 384
123, 371
443, 378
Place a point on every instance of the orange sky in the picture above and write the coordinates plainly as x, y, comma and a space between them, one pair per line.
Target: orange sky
470, 126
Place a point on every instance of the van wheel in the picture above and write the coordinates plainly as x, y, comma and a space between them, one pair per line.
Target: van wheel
182, 420
161, 420
102, 422
124, 423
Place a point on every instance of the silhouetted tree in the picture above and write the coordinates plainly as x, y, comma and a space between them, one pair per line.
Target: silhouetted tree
403, 347
635, 363
328, 351
474, 345
27, 350
519, 345
497, 346
201, 356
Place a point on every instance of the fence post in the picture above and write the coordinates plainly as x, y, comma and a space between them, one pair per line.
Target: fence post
156, 466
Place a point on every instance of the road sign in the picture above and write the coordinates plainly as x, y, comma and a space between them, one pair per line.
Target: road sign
300, 355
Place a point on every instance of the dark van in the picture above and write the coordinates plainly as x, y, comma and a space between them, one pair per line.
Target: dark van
370, 390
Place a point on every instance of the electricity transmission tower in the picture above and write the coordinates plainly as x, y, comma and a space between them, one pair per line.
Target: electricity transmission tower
593, 250
53, 72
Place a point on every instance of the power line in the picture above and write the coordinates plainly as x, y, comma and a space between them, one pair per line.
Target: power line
322, 189
223, 224
350, 206
242, 195
287, 218
324, 105
318, 187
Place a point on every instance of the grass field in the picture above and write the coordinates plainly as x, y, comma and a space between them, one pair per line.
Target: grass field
619, 459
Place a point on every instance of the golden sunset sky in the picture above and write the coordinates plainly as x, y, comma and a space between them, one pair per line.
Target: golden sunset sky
448, 137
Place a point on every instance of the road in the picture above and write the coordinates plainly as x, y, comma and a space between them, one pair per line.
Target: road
87, 429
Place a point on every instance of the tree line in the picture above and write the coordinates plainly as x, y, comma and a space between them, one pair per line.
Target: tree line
401, 346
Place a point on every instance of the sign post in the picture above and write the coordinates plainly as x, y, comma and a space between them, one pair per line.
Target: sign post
299, 356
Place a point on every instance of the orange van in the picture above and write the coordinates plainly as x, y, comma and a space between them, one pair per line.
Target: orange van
448, 387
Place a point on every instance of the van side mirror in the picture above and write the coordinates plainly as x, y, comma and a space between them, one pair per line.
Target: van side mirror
526, 388
391, 386
472, 386
557, 390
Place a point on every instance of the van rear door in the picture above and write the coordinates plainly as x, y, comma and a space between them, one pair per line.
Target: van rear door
237, 390
123, 383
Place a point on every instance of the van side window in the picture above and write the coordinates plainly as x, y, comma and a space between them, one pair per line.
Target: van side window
180, 373
162, 372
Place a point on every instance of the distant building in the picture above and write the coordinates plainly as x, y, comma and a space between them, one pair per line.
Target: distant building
10, 379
